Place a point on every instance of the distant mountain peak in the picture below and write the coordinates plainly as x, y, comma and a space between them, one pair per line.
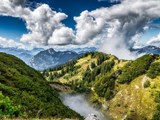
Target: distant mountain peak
51, 51
147, 50
51, 58
151, 47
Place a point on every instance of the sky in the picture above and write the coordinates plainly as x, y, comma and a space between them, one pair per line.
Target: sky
14, 28
113, 26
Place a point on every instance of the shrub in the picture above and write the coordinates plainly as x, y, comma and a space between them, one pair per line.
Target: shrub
136, 68
154, 70
108, 94
156, 115
146, 84
7, 108
93, 65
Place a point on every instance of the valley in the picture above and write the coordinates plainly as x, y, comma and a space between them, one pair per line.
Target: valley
120, 88
94, 83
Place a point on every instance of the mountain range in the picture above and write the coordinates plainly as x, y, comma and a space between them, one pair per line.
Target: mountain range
23, 54
41, 59
50, 58
147, 50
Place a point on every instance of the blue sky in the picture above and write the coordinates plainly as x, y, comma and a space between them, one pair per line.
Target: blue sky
14, 28
149, 34
74, 7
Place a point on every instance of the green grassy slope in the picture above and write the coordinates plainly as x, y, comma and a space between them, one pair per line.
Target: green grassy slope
127, 89
28, 89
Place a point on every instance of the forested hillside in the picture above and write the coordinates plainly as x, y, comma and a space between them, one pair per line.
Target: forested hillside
127, 89
24, 92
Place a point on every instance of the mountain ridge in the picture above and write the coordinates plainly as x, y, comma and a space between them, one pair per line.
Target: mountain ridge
111, 81
50, 58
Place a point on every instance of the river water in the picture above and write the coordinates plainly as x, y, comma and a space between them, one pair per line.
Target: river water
79, 104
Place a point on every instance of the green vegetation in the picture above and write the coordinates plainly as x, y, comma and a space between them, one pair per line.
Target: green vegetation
25, 87
103, 77
105, 85
98, 74
61, 70
93, 65
147, 84
7, 108
25, 92
101, 58
154, 70
136, 68
156, 115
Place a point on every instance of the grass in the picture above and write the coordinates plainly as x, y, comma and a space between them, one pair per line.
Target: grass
119, 64
84, 63
133, 97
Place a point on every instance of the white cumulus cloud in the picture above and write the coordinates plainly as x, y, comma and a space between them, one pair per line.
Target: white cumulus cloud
62, 36
10, 43
42, 22
118, 25
89, 24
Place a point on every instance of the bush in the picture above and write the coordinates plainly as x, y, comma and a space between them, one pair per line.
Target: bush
156, 115
147, 84
154, 70
7, 108
93, 65
104, 85
101, 58
108, 94
157, 97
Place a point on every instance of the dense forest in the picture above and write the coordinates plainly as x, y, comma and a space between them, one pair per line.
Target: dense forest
24, 92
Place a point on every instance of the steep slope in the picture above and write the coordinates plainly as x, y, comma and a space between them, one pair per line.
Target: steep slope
50, 58
122, 89
28, 89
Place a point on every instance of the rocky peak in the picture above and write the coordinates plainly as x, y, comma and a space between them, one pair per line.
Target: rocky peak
51, 51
